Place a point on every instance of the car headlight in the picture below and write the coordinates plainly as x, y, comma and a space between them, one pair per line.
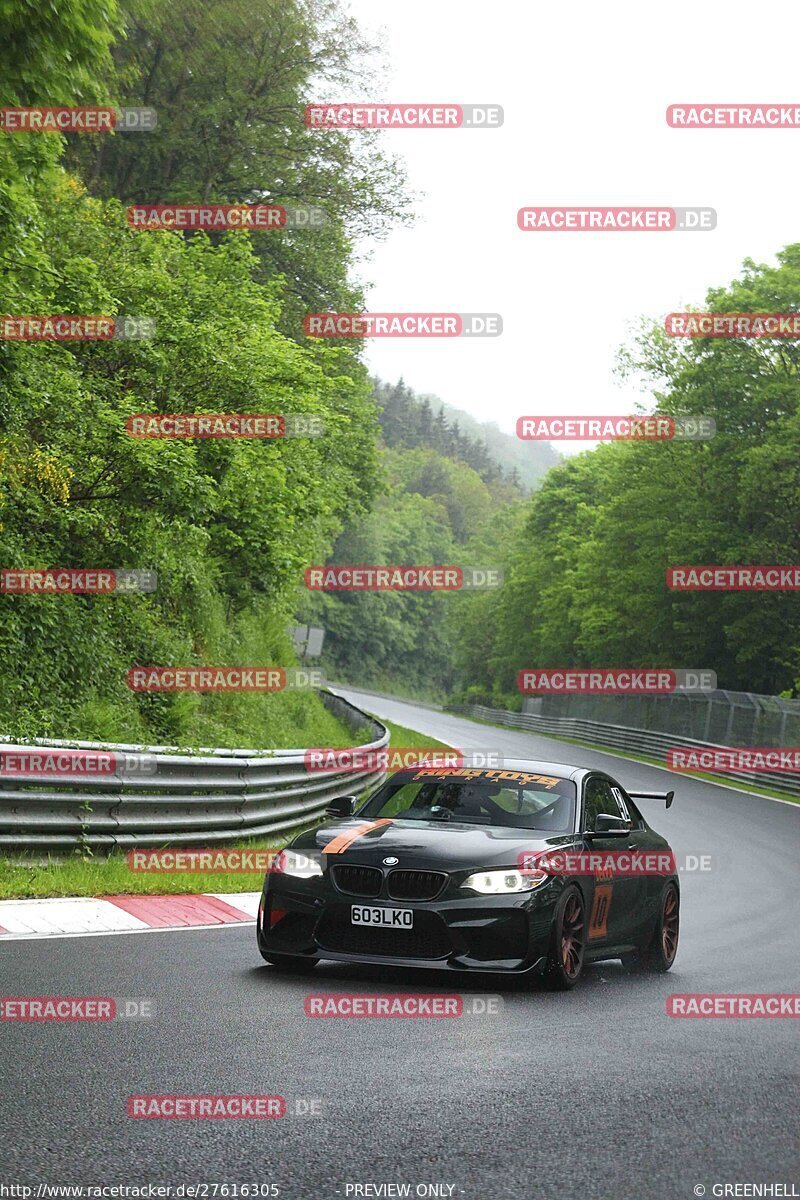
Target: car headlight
296, 864
498, 883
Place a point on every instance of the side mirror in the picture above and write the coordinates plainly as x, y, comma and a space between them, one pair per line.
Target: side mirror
606, 825
341, 806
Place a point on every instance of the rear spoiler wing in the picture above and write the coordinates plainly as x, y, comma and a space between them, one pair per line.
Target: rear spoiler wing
668, 796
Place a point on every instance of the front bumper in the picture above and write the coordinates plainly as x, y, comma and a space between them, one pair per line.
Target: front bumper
502, 934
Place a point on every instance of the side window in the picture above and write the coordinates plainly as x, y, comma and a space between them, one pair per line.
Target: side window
599, 798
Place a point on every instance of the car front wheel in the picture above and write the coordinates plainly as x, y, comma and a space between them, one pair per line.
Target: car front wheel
567, 943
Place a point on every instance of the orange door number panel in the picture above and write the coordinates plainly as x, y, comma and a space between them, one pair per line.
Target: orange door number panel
601, 906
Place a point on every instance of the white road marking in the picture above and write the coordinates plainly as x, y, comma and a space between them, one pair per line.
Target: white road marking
246, 902
84, 916
77, 915
33, 937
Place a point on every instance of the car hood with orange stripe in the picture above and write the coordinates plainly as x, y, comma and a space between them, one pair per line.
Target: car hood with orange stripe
447, 845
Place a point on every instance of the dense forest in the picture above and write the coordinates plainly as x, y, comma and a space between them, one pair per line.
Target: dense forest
585, 556
586, 572
228, 525
408, 421
446, 500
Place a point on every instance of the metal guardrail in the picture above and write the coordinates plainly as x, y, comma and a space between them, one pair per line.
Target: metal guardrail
720, 717
622, 737
206, 797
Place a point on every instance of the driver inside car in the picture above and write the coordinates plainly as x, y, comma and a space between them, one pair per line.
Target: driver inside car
468, 800
475, 801
444, 800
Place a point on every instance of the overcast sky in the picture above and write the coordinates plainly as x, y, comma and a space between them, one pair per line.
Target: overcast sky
584, 87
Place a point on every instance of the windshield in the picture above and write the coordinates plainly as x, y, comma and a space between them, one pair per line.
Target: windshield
515, 799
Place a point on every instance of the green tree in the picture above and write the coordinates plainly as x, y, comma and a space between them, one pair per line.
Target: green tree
229, 81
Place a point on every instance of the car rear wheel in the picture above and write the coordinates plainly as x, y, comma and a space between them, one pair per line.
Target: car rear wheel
290, 962
659, 955
567, 943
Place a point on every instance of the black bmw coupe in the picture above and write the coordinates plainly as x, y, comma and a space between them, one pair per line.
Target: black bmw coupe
537, 868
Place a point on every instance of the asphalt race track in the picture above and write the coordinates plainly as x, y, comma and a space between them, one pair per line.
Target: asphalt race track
594, 1093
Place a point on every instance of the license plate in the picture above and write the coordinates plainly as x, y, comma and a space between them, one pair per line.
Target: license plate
388, 918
